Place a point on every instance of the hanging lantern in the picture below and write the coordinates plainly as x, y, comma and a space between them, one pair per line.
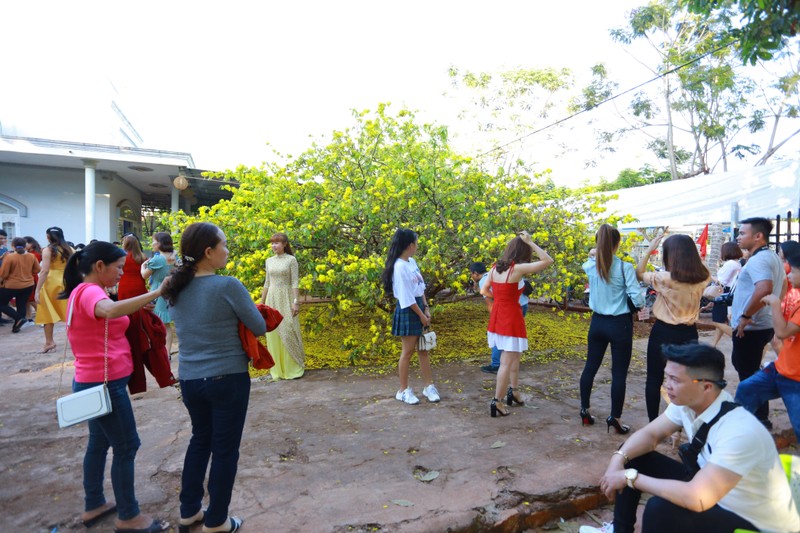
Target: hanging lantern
180, 183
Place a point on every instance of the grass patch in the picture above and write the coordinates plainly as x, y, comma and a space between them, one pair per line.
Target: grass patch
461, 336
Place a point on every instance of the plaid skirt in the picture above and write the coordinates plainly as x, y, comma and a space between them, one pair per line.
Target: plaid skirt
405, 322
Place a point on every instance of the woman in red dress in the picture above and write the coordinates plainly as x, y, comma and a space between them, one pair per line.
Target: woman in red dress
131, 283
507, 329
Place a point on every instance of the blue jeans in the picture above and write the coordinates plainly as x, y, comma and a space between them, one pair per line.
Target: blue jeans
217, 407
116, 430
496, 352
746, 358
769, 384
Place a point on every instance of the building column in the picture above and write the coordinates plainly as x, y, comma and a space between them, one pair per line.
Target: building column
89, 166
176, 195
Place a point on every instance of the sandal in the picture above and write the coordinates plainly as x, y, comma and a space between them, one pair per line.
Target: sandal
48, 348
234, 522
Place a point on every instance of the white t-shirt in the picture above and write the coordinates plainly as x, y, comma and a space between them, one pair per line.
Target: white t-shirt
739, 443
407, 282
728, 271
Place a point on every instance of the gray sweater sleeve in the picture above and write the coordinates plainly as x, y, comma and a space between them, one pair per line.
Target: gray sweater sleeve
206, 315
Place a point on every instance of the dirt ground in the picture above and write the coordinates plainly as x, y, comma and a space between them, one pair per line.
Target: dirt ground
335, 452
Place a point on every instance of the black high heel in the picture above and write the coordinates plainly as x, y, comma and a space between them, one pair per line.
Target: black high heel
495, 408
511, 398
622, 429
586, 418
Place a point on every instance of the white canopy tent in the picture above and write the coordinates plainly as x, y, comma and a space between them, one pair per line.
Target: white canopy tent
764, 191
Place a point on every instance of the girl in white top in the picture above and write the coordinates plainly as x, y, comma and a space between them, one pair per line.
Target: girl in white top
726, 277
401, 278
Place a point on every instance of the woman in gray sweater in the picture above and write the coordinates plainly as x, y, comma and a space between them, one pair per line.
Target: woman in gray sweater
213, 368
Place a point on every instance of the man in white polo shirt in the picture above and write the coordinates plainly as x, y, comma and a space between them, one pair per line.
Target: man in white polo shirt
737, 482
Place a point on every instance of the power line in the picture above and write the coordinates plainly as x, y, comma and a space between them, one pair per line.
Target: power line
610, 98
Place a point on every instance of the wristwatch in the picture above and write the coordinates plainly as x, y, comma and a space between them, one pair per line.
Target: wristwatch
630, 476
748, 317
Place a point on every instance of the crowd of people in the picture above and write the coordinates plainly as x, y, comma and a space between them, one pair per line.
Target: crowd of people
99, 290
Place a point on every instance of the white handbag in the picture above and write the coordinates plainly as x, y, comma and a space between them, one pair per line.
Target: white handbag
89, 403
427, 341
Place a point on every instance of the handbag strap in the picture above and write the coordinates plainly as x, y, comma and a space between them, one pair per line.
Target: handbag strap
70, 308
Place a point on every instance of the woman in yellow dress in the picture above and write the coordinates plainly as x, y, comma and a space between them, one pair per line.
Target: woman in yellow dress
281, 291
49, 309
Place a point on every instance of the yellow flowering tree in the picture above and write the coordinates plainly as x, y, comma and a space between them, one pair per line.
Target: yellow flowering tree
341, 202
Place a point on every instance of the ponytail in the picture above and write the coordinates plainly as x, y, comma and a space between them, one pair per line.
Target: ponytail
81, 262
607, 240
195, 240
178, 280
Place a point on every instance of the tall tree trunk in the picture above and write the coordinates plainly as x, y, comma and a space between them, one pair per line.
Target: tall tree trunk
673, 165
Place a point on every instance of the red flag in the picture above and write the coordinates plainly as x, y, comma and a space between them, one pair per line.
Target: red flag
703, 241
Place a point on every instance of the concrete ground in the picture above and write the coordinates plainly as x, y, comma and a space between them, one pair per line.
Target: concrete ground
335, 452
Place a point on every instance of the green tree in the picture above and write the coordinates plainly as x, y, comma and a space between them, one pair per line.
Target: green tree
761, 27
508, 104
703, 95
341, 202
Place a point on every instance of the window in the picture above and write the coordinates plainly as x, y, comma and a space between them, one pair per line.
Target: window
128, 220
9, 220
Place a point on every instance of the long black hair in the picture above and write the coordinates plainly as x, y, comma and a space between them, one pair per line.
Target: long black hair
55, 236
81, 262
195, 240
400, 241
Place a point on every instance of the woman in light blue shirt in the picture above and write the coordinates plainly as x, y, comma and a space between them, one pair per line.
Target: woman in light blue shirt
611, 281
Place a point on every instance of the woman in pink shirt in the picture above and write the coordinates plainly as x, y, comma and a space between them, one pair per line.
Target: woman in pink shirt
95, 327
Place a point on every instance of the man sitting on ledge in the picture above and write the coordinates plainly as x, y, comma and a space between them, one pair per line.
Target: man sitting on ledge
737, 480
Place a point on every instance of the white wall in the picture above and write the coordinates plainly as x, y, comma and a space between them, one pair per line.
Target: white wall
55, 197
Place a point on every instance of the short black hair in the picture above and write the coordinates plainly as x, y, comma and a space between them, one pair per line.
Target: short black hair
760, 225
703, 360
3, 233
478, 267
793, 260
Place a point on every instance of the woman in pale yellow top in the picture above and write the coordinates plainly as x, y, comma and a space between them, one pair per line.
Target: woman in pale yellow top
680, 286
281, 291
49, 308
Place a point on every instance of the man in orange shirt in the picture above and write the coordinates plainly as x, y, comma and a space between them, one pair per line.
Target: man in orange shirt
780, 379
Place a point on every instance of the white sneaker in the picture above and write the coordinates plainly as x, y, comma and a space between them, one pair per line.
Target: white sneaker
407, 396
431, 393
607, 528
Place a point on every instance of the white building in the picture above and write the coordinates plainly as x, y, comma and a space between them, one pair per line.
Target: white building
95, 185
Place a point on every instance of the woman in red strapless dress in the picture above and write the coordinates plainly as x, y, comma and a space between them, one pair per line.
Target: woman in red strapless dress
131, 283
507, 329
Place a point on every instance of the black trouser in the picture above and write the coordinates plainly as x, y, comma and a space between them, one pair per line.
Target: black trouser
746, 358
21, 295
661, 334
604, 330
659, 514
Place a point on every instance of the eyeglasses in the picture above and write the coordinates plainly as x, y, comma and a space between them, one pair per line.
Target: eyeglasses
721, 383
